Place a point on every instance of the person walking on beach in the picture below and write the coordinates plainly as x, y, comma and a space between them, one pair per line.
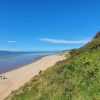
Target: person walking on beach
1, 77
4, 77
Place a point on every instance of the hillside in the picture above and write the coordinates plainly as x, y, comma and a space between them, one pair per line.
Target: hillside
89, 47
76, 78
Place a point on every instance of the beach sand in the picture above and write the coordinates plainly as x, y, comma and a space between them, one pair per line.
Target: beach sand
18, 77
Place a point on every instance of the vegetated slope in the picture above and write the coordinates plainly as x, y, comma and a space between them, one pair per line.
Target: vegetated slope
76, 78
92, 45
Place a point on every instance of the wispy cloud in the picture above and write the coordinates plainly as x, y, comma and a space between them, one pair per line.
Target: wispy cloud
60, 41
11, 41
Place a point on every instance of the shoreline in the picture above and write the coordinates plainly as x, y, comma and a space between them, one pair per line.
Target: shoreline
20, 66
18, 77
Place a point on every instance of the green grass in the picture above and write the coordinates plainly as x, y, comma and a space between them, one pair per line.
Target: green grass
77, 78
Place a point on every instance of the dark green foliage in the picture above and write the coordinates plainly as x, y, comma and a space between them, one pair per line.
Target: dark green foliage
75, 79
97, 35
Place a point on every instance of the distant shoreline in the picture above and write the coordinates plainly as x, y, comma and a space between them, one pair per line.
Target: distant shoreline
14, 62
34, 60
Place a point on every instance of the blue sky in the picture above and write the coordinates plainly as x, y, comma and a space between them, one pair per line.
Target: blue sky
39, 25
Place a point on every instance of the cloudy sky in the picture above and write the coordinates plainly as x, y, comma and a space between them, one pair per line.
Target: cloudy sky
40, 25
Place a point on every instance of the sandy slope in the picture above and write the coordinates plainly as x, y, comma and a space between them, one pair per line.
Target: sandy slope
19, 77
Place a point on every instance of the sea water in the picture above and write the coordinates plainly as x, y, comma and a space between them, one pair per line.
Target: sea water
16, 60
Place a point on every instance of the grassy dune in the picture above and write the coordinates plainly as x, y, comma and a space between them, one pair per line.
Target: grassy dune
76, 78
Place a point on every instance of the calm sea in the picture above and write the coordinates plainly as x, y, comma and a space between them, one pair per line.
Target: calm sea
10, 61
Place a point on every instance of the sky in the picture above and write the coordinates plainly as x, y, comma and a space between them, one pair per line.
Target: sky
47, 25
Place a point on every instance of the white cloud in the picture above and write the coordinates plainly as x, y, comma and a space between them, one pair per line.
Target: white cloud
63, 41
11, 41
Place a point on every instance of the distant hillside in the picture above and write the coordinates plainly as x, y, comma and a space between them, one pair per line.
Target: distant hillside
76, 78
91, 46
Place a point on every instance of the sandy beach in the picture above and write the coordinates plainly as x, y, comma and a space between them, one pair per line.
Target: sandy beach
17, 78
